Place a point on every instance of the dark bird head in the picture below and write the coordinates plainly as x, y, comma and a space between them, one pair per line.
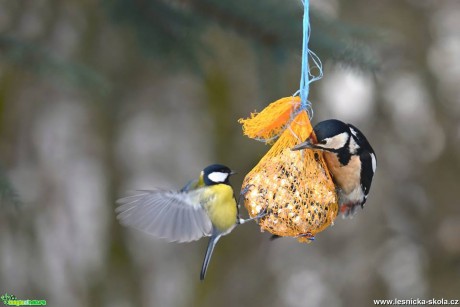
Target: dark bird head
216, 174
331, 135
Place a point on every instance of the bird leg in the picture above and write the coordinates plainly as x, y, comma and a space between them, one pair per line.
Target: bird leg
240, 199
243, 193
258, 216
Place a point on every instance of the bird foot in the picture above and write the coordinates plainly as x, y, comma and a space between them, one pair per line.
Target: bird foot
257, 217
243, 193
348, 210
309, 236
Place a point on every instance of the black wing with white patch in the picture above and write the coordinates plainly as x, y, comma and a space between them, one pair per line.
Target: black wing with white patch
367, 172
368, 159
171, 215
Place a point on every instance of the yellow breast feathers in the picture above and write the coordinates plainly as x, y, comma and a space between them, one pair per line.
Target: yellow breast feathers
220, 204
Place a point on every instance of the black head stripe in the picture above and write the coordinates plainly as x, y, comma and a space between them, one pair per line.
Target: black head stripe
344, 153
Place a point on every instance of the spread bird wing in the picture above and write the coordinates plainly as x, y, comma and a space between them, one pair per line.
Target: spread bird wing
191, 185
176, 216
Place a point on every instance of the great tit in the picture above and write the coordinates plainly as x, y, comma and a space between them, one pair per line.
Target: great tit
204, 207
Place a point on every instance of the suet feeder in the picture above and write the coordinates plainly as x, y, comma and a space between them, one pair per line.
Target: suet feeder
294, 188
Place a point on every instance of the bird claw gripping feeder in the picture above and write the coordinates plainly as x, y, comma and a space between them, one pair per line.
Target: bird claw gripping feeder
293, 188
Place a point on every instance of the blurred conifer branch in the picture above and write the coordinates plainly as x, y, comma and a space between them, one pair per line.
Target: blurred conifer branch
8, 195
172, 29
30, 57
164, 29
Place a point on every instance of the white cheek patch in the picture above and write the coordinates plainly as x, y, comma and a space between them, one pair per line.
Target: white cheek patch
374, 162
337, 141
218, 177
353, 146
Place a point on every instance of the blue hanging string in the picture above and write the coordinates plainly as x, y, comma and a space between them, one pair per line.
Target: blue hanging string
307, 76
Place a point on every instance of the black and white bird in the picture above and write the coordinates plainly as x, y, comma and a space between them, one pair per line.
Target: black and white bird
349, 158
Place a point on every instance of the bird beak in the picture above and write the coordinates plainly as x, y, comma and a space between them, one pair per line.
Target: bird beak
233, 173
307, 144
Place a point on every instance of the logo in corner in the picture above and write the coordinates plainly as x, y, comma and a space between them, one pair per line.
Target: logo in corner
7, 297
11, 300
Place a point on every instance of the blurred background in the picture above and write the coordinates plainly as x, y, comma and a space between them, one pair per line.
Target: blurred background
100, 97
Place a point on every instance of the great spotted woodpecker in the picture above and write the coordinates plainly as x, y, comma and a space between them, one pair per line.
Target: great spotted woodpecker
350, 160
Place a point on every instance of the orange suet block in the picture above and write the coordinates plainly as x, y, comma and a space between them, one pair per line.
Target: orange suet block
294, 186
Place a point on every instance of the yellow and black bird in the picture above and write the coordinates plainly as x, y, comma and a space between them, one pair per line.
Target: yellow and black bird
204, 207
